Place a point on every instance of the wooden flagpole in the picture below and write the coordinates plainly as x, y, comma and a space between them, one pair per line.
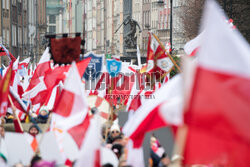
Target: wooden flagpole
176, 65
14, 112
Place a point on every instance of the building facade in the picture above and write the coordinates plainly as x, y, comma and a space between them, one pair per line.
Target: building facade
146, 25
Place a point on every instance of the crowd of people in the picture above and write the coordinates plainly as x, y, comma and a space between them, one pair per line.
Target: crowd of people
112, 139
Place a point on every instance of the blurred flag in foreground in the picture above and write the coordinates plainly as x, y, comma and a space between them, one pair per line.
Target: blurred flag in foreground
218, 110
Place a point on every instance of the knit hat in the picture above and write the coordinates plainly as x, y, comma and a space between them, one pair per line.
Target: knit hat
115, 127
44, 108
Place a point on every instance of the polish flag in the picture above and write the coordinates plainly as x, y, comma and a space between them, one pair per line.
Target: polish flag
90, 150
42, 67
24, 63
191, 47
164, 110
218, 114
53, 77
14, 77
71, 110
18, 103
30, 71
4, 91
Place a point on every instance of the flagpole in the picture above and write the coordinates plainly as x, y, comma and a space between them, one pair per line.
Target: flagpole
14, 112
179, 69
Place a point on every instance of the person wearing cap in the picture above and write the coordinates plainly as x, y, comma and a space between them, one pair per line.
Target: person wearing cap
32, 133
43, 115
114, 132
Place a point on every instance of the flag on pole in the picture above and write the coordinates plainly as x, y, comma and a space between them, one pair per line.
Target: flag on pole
71, 110
4, 91
90, 150
42, 67
4, 52
218, 109
158, 61
164, 110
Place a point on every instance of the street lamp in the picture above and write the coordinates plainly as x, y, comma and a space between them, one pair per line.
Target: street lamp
171, 26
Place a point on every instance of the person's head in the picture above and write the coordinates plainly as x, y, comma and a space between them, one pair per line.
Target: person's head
107, 165
33, 130
43, 111
34, 160
2, 131
115, 130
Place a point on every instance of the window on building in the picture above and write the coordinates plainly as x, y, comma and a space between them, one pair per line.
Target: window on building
14, 37
14, 2
52, 29
19, 35
4, 5
52, 19
4, 37
7, 37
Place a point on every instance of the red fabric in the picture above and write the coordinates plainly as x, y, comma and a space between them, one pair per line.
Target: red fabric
66, 50
40, 71
152, 121
78, 132
68, 163
135, 103
17, 126
4, 91
20, 109
53, 77
3, 53
218, 118
98, 158
65, 98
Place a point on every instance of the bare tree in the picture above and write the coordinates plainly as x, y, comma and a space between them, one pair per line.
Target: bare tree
238, 10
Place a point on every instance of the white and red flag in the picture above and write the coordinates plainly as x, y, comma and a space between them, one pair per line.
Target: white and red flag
42, 67
90, 150
163, 110
71, 109
218, 114
24, 63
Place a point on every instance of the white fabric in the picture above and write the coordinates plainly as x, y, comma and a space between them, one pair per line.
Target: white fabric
108, 156
38, 88
27, 60
170, 90
45, 57
165, 64
190, 46
91, 144
226, 45
135, 156
138, 56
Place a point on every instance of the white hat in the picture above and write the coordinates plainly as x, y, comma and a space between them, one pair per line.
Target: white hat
115, 127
